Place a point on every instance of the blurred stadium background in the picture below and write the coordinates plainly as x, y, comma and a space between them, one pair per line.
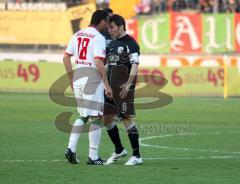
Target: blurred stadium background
200, 38
194, 44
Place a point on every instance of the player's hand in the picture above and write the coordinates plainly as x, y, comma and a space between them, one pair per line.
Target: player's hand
125, 89
108, 92
71, 85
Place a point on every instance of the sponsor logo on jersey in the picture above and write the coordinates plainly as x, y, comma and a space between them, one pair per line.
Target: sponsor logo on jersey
79, 62
113, 58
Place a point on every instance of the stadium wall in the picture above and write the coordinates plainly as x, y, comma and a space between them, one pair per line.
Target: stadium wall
186, 75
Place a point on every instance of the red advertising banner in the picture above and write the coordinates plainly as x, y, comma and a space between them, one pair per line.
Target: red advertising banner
186, 31
186, 81
132, 28
237, 32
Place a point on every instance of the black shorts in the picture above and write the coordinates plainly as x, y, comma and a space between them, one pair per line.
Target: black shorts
123, 108
117, 106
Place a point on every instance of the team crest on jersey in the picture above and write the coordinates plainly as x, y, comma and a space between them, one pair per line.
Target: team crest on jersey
120, 50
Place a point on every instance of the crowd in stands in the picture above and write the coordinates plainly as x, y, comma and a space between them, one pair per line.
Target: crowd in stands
205, 6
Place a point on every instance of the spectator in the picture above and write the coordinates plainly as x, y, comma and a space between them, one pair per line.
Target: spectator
144, 7
159, 6
179, 5
231, 6
206, 6
237, 5
102, 4
226, 6
193, 4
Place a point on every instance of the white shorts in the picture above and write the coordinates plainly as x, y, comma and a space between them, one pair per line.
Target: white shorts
90, 99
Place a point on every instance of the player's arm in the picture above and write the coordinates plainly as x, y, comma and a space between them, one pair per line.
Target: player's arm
68, 67
133, 73
67, 60
102, 71
134, 60
126, 86
99, 57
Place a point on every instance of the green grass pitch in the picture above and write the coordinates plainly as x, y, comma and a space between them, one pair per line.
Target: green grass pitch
192, 140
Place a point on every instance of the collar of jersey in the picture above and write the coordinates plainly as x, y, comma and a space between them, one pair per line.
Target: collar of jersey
92, 26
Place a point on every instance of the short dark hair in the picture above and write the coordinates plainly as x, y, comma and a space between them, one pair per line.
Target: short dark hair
118, 20
108, 10
97, 16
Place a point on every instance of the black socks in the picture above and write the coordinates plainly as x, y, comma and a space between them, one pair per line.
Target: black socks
114, 135
133, 137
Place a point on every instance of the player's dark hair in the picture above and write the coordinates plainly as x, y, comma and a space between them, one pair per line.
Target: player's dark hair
108, 10
97, 16
118, 20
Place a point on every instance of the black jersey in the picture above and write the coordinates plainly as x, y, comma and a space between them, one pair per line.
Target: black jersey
121, 54
108, 38
123, 51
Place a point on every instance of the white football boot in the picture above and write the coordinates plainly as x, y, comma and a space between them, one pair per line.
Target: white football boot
115, 157
134, 161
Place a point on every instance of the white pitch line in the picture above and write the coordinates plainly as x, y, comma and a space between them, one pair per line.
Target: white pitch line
187, 149
157, 158
165, 147
192, 158
33, 160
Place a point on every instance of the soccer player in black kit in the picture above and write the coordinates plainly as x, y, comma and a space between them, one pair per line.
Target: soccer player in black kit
122, 66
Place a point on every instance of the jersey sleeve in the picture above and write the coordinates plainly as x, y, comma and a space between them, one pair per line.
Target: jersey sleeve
134, 52
99, 50
70, 48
